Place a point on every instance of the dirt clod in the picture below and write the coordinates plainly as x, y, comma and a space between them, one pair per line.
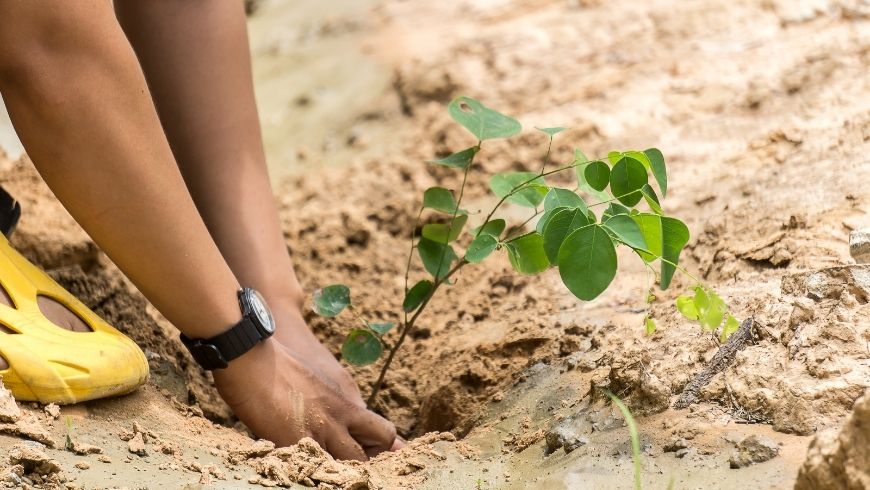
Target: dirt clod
307, 464
32, 458
859, 245
9, 411
754, 449
83, 449
52, 410
136, 445
840, 459
28, 427
568, 434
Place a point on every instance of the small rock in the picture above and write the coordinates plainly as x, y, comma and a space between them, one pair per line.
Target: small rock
82, 465
136, 445
12, 475
33, 459
9, 411
753, 449
567, 434
681, 453
52, 410
859, 245
104, 459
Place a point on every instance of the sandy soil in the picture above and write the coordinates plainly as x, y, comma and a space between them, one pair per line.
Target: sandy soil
762, 109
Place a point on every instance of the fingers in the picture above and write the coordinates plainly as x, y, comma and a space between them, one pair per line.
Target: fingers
373, 432
342, 446
399, 443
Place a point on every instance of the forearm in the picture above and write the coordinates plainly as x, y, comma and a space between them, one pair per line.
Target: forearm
81, 107
197, 62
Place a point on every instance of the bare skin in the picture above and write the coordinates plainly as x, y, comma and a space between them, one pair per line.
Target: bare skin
197, 63
80, 104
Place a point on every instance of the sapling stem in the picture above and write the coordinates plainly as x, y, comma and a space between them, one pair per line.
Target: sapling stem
547, 156
407, 324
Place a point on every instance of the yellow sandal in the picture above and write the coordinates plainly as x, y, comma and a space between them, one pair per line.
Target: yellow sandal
50, 364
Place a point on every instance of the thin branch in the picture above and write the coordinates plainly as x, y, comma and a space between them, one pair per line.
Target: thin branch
407, 329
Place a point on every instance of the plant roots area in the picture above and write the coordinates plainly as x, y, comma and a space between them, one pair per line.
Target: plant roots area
763, 111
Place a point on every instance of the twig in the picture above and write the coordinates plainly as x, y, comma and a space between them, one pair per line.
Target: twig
723, 358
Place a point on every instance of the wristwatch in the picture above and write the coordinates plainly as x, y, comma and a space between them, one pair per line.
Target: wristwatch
256, 325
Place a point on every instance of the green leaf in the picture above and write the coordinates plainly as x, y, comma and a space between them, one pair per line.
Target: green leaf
431, 253
460, 159
493, 227
442, 232
651, 228
530, 194
558, 227
639, 156
711, 308
665, 237
551, 131
652, 200
626, 231
659, 171
731, 326
546, 217
579, 156
614, 209
581, 162
626, 180
483, 122
675, 236
686, 306
331, 300
597, 175
614, 157
587, 262
382, 328
439, 199
650, 326
526, 254
361, 347
562, 198
416, 295
480, 248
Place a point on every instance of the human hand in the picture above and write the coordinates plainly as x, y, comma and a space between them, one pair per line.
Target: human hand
297, 338
283, 401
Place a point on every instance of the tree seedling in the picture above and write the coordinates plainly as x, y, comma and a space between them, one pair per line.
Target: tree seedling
569, 234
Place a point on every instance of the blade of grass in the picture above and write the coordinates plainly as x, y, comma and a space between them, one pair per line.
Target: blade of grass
632, 430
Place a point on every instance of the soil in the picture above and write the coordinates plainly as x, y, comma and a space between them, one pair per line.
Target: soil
762, 109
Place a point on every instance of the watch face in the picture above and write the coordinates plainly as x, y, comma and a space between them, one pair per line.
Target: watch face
261, 310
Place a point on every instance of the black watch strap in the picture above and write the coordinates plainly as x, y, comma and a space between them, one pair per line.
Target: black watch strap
218, 351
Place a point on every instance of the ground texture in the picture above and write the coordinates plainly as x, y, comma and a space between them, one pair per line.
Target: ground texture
762, 109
